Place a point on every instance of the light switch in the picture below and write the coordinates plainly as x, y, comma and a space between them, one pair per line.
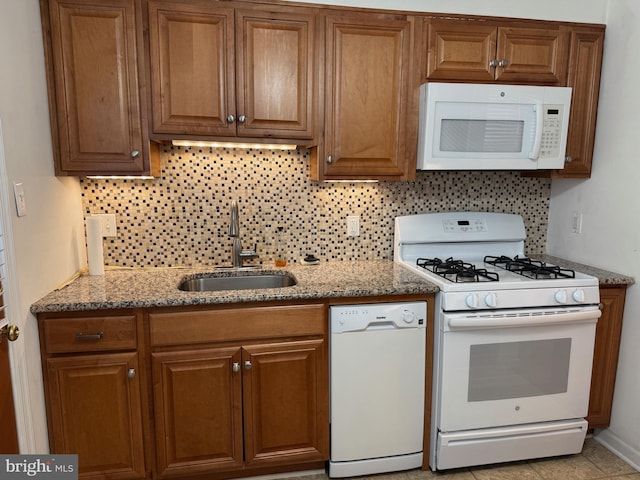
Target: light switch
21, 200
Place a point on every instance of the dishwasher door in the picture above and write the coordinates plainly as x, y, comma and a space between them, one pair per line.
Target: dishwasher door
377, 387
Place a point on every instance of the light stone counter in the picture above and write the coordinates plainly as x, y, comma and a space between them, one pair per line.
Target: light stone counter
605, 277
158, 287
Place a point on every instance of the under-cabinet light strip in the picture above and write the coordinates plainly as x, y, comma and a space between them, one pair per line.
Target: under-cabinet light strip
197, 143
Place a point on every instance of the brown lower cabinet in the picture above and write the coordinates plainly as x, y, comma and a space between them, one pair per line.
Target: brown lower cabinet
605, 357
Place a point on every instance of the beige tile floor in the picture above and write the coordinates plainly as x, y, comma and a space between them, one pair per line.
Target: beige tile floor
594, 463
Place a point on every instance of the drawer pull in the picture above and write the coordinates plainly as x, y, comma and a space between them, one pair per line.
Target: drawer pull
89, 336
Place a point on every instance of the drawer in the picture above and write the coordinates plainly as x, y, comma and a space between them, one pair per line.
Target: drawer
90, 334
236, 324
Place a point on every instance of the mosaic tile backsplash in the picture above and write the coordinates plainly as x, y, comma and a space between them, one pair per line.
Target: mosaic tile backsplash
182, 218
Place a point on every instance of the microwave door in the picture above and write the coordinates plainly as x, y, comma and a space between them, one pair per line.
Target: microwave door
471, 136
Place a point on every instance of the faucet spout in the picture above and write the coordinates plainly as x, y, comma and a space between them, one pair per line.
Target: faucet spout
238, 255
234, 225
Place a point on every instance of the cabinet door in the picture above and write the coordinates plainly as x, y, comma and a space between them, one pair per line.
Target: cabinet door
192, 67
460, 50
285, 402
605, 356
198, 410
366, 93
585, 63
95, 66
95, 412
532, 55
275, 73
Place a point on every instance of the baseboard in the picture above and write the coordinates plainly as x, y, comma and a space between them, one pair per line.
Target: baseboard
618, 446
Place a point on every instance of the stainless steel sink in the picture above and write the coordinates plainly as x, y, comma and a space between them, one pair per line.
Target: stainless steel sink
237, 281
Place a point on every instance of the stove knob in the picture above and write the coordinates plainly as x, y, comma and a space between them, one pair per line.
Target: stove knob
408, 316
578, 295
561, 296
491, 300
472, 300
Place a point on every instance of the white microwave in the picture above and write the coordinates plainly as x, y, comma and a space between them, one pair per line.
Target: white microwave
492, 127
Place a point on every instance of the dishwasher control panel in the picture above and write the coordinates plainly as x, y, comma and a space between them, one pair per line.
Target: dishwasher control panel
352, 318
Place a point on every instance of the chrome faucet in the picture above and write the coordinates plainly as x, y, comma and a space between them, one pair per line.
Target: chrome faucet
238, 255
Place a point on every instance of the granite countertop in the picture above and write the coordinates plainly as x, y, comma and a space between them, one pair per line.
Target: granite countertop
605, 277
158, 287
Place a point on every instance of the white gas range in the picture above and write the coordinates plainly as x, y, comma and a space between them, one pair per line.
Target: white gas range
514, 340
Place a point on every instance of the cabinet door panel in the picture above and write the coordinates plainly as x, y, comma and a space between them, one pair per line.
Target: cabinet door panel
275, 66
605, 356
95, 412
585, 65
285, 398
198, 410
96, 80
460, 50
533, 55
367, 82
192, 64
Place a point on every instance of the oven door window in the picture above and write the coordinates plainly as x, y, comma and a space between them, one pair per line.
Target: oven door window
509, 376
518, 369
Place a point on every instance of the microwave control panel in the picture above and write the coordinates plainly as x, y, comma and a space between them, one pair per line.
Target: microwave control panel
551, 130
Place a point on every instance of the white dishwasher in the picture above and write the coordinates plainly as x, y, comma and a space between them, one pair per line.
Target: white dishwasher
377, 376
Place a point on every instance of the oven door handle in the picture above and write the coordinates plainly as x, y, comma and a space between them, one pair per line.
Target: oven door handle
524, 320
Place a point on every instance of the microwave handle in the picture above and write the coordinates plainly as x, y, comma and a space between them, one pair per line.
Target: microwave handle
537, 143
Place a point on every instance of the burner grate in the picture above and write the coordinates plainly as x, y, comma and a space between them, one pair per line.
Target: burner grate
530, 268
457, 270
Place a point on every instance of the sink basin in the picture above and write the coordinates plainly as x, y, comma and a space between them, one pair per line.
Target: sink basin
245, 281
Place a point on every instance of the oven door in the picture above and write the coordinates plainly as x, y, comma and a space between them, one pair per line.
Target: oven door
515, 367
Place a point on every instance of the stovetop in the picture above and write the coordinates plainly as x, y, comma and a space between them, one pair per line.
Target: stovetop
477, 260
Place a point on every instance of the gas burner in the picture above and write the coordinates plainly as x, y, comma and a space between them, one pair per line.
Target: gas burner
530, 268
457, 270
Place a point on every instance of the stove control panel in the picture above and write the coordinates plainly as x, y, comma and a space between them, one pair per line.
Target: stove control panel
454, 226
520, 298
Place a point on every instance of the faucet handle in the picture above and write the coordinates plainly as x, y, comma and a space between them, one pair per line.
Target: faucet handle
250, 253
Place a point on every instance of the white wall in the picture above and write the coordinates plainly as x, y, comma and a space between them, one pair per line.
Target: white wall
610, 205
49, 241
590, 11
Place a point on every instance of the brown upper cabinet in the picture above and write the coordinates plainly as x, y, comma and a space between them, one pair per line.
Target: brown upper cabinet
92, 49
371, 93
221, 70
473, 50
585, 64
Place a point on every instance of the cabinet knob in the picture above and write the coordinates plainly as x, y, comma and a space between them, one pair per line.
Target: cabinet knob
568, 159
247, 365
231, 118
493, 63
131, 373
329, 159
241, 119
503, 63
235, 367
11, 332
135, 153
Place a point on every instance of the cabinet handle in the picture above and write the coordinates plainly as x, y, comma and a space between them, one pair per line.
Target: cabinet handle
568, 159
89, 336
231, 118
235, 367
503, 63
247, 365
493, 63
241, 119
329, 159
131, 373
135, 153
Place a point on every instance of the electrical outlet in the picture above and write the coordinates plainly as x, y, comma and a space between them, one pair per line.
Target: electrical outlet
108, 224
21, 199
576, 222
353, 226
